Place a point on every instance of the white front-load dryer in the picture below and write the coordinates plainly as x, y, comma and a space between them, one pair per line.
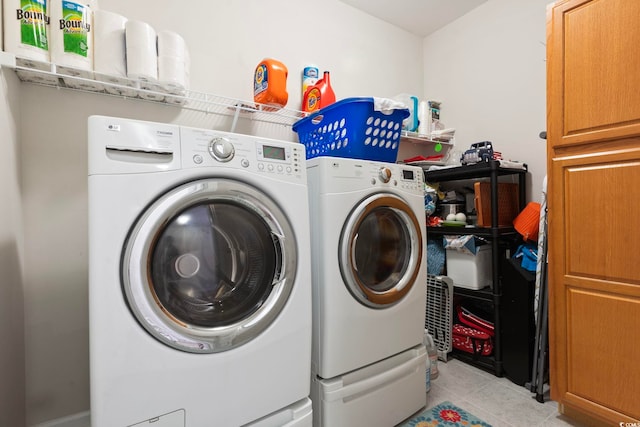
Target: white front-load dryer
369, 291
199, 277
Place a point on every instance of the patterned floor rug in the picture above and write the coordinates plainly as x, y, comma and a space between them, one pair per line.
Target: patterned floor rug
445, 414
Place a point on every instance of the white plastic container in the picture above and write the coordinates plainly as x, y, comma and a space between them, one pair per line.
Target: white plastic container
470, 271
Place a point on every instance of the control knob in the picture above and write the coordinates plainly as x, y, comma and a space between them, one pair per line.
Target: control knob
221, 149
384, 174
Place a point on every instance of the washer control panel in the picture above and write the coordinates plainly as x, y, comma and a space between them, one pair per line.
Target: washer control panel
277, 157
201, 148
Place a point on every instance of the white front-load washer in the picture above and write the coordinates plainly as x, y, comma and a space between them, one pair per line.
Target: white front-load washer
368, 239
199, 277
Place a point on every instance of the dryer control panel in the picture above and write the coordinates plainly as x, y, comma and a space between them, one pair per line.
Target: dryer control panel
202, 148
407, 178
342, 175
411, 178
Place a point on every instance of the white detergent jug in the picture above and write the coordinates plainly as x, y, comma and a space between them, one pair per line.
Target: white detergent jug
432, 351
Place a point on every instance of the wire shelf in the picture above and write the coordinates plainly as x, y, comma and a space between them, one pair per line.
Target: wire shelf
47, 74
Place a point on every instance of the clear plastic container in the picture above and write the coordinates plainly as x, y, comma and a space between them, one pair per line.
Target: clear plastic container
428, 375
432, 351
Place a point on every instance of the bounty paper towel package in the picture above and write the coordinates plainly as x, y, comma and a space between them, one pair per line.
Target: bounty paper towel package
26, 31
71, 47
26, 35
71, 37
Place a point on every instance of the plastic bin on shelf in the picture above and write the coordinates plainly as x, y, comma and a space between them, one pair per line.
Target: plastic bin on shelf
352, 128
470, 271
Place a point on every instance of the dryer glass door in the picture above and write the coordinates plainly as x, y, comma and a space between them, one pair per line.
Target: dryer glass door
209, 265
381, 250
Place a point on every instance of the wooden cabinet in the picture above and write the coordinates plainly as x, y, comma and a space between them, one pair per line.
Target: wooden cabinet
593, 135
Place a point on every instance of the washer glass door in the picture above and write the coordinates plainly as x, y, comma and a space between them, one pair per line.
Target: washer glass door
209, 265
381, 250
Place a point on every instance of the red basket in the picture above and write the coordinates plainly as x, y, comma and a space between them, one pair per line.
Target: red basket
352, 128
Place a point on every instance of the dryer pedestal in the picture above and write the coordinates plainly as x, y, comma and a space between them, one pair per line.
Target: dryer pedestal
297, 415
379, 395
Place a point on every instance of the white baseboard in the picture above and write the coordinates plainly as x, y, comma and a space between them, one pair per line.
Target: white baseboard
81, 419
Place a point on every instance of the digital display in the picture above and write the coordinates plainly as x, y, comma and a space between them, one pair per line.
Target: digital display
407, 174
273, 152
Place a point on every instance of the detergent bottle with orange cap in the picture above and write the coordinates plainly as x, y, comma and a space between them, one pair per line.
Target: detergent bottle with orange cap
327, 96
270, 83
319, 95
311, 100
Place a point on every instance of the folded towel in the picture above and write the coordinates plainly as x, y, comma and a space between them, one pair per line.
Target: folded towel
388, 105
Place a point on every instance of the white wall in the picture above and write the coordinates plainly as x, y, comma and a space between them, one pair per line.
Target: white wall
227, 39
365, 55
488, 69
12, 366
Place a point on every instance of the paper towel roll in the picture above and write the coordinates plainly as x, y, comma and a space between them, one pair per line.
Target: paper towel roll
84, 84
117, 85
187, 70
152, 91
141, 48
109, 58
109, 43
72, 37
38, 77
172, 74
424, 126
171, 44
176, 100
33, 43
121, 90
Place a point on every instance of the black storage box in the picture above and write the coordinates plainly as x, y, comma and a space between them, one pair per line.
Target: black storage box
518, 321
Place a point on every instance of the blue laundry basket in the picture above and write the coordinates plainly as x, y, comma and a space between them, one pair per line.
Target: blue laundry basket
352, 128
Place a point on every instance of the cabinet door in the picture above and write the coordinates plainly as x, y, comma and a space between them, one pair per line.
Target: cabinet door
594, 279
593, 61
593, 135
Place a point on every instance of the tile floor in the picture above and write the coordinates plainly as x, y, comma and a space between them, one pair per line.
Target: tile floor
498, 401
